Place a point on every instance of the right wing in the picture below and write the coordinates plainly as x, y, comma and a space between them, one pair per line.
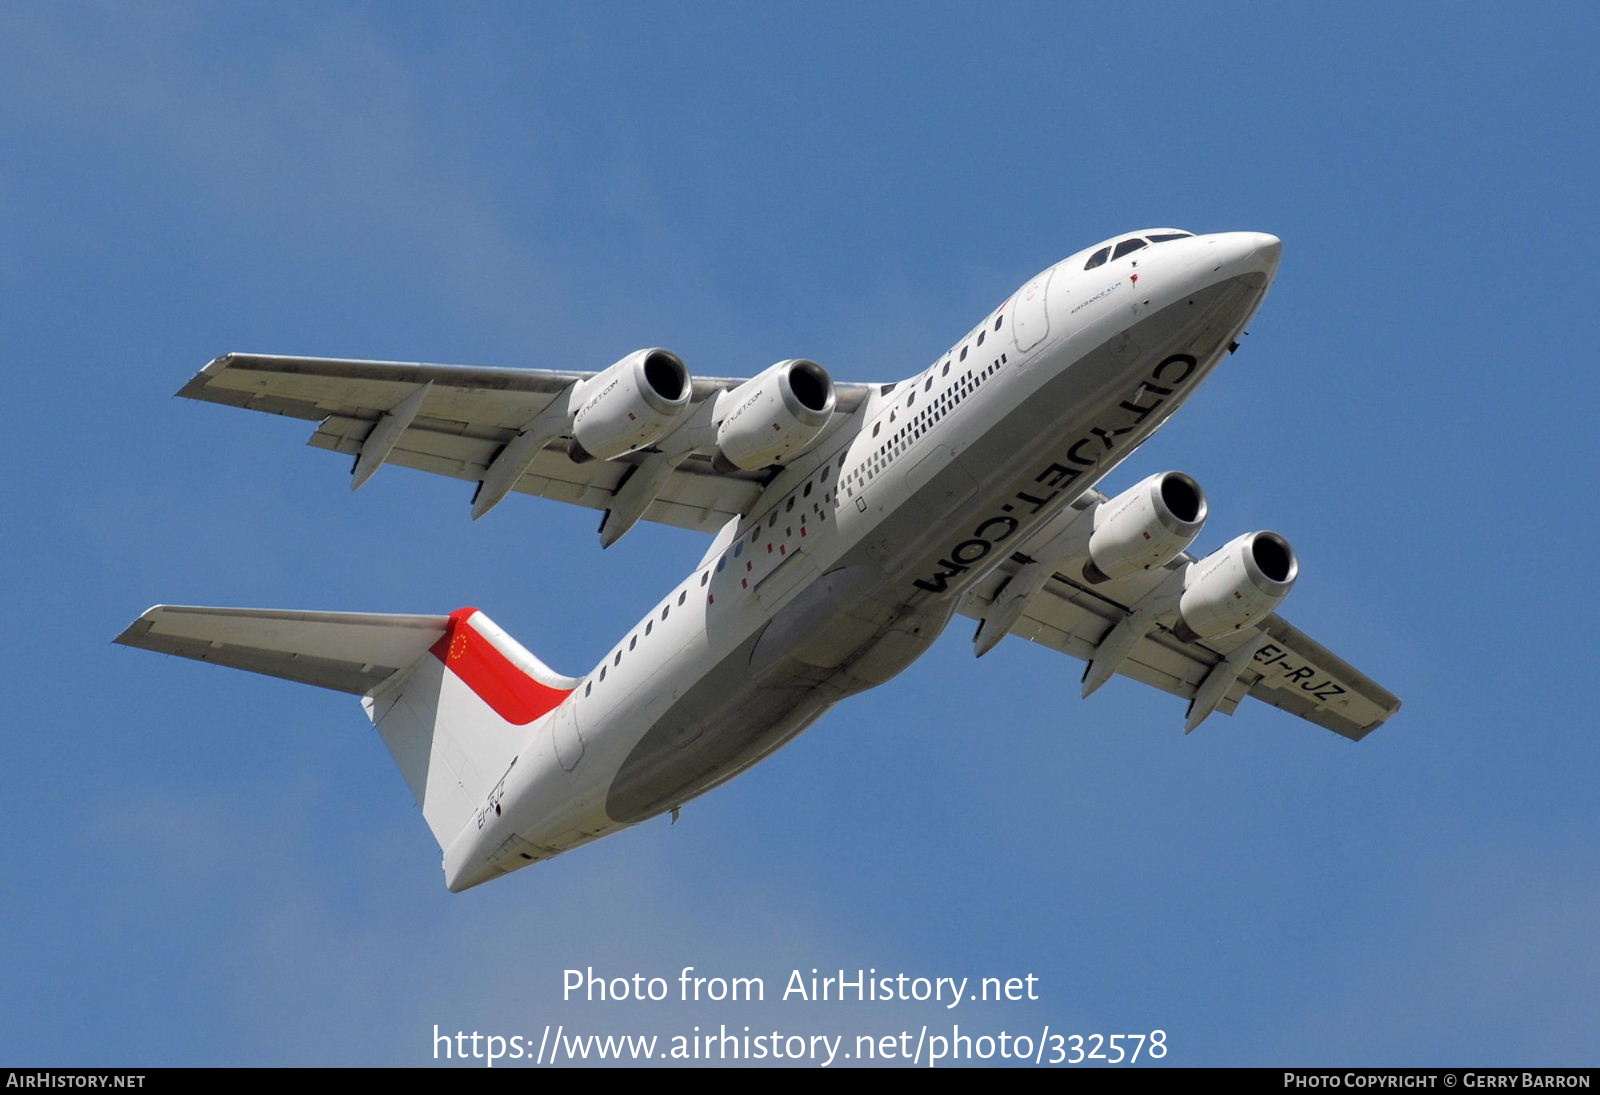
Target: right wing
1272, 660
455, 420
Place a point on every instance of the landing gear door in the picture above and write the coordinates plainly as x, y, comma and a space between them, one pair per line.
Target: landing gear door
1030, 319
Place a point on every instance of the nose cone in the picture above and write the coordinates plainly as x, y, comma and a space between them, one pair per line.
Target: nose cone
1264, 251
1234, 253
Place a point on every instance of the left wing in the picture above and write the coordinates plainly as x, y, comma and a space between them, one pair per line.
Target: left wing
456, 420
1102, 624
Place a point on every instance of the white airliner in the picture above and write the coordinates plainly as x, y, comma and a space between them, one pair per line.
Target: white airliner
852, 522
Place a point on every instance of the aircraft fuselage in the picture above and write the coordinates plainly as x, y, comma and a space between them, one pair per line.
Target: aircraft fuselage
861, 549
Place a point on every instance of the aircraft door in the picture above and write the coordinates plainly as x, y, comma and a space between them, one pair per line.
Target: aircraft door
1030, 319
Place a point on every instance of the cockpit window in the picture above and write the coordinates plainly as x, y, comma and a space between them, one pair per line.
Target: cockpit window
1165, 236
1098, 258
1127, 247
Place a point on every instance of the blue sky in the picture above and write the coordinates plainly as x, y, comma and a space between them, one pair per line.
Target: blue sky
209, 867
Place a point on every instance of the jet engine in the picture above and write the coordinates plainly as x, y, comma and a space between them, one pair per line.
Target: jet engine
1145, 526
774, 415
629, 406
1236, 585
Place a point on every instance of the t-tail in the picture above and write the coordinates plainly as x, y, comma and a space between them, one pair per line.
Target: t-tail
453, 697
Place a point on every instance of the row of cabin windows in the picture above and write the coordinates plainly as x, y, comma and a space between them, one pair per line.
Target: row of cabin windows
998, 320
1128, 246
876, 460
933, 411
816, 488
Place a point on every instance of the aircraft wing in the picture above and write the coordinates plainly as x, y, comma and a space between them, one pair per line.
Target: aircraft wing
1274, 661
455, 420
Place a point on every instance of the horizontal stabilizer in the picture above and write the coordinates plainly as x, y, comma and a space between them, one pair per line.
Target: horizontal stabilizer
346, 651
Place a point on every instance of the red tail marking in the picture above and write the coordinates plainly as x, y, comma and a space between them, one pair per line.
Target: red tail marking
514, 696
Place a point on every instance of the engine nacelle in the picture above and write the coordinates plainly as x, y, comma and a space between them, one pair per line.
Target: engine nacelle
629, 406
774, 415
1236, 585
1145, 526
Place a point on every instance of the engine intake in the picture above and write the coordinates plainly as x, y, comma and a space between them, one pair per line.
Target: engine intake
1147, 525
774, 415
1236, 585
629, 406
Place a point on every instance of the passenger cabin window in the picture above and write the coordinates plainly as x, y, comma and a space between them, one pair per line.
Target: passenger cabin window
1098, 258
1127, 247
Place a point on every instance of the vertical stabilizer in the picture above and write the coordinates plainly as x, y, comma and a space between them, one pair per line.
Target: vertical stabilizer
454, 721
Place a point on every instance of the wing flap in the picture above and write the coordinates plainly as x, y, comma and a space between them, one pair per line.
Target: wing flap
1073, 621
696, 497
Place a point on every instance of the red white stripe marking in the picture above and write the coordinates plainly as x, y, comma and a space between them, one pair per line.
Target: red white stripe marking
514, 696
